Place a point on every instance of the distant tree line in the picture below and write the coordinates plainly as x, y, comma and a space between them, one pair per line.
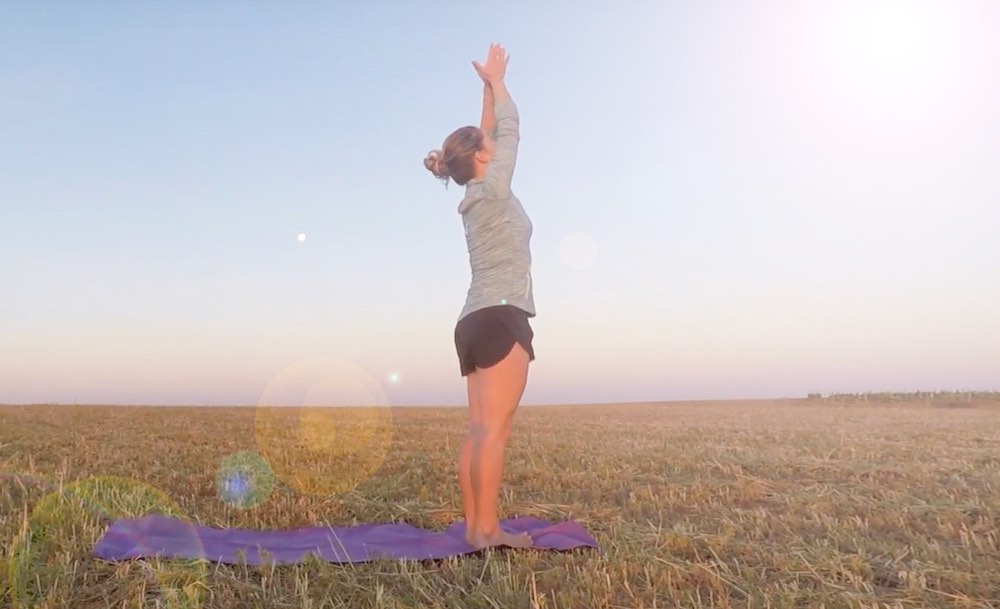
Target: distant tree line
909, 396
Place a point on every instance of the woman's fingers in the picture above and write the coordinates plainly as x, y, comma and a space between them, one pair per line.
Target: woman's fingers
480, 70
497, 58
496, 62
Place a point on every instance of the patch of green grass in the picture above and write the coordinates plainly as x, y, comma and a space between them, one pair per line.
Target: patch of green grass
790, 504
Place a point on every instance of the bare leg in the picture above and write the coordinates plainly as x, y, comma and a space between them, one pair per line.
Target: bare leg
469, 446
500, 390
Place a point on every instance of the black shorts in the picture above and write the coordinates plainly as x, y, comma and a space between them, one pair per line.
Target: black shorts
486, 336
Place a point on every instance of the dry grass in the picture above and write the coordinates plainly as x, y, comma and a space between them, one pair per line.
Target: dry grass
809, 504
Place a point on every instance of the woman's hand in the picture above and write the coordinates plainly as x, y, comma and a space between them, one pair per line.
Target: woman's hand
481, 72
496, 65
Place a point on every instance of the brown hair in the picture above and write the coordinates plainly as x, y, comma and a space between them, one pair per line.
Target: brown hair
457, 159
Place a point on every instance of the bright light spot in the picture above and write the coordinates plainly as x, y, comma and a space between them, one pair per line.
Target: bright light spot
892, 57
890, 44
302, 237
578, 250
394, 377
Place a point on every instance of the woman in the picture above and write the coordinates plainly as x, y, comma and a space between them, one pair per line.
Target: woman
492, 336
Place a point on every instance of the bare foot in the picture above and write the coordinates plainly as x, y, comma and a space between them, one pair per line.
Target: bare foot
499, 537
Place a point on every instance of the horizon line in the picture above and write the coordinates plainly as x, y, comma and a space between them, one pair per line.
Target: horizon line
905, 395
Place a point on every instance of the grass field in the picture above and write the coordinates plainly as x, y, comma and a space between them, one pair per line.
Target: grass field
806, 504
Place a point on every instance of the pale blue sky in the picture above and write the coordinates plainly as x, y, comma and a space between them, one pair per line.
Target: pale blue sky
730, 199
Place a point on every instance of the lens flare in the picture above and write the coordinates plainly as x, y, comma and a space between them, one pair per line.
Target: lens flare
324, 425
67, 523
244, 480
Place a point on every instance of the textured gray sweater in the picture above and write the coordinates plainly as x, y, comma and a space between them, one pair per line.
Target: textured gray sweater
497, 229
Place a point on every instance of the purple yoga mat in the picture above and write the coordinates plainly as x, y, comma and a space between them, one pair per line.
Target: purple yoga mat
167, 537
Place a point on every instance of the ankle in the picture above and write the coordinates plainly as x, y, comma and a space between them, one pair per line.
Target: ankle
487, 529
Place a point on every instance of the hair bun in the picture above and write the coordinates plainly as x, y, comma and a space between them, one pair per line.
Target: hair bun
435, 164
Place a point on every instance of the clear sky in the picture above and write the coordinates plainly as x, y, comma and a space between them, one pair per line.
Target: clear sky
753, 199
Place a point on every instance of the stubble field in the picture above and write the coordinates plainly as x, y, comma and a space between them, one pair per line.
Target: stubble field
778, 504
